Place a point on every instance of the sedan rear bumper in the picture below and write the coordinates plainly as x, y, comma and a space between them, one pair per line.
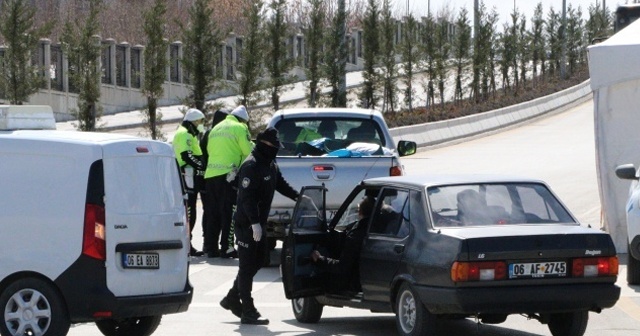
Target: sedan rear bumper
517, 300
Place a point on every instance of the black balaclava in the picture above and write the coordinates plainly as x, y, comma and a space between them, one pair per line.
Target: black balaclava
266, 151
270, 135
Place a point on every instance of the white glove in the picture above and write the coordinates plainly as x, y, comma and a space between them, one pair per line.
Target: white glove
257, 232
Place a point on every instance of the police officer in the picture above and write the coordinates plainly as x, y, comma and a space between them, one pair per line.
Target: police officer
229, 143
258, 179
208, 243
189, 156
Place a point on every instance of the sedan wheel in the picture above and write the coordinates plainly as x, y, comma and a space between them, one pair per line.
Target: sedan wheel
307, 310
33, 307
412, 318
569, 324
135, 326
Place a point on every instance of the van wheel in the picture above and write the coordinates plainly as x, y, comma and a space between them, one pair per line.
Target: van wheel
633, 270
569, 324
412, 317
135, 326
307, 310
33, 307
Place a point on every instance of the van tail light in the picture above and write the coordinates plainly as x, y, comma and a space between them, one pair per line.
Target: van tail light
478, 271
94, 236
595, 267
395, 171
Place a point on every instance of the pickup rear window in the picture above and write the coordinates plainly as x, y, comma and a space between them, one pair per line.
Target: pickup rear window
304, 136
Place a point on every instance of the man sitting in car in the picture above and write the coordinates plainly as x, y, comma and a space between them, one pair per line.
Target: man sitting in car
345, 273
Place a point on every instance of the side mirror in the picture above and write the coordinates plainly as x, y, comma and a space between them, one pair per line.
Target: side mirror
407, 147
626, 172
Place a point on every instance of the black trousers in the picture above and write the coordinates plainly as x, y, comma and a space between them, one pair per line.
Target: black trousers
251, 256
192, 199
221, 200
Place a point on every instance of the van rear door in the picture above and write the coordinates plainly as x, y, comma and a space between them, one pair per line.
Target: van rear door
147, 234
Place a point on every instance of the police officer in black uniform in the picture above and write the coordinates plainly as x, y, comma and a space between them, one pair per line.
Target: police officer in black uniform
258, 179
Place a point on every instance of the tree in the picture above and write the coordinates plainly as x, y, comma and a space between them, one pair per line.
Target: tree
19, 78
410, 55
335, 57
388, 58
250, 66
553, 33
278, 64
371, 44
599, 23
574, 38
460, 50
201, 38
443, 48
82, 47
480, 52
537, 42
155, 64
429, 51
511, 46
523, 50
313, 37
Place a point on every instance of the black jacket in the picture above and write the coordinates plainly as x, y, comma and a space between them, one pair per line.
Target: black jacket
258, 179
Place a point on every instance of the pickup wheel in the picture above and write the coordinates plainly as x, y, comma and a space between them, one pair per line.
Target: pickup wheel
33, 307
135, 326
412, 317
569, 324
307, 310
633, 270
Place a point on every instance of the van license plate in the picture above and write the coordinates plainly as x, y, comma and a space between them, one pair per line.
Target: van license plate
141, 260
538, 270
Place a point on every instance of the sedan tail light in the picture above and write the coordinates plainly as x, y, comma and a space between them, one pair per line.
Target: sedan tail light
595, 267
478, 271
93, 243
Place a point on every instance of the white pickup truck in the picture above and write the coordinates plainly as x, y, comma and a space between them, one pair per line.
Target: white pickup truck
337, 147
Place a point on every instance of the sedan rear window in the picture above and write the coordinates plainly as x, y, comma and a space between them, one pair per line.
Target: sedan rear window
495, 204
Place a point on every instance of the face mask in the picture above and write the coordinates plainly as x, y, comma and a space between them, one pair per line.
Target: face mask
201, 128
267, 151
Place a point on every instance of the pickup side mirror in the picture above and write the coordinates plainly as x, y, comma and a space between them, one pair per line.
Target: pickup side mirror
407, 147
626, 172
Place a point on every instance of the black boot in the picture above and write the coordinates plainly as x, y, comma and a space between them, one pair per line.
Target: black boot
232, 302
250, 314
195, 253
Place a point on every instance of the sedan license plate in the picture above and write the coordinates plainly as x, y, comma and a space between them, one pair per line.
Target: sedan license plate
141, 260
538, 270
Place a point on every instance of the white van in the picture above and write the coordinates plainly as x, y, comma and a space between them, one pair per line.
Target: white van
93, 228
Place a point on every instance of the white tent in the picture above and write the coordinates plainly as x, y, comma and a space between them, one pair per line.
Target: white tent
614, 66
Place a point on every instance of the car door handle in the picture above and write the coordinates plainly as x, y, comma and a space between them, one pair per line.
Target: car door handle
398, 248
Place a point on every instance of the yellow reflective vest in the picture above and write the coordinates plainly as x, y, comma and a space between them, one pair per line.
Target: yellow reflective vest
184, 141
228, 145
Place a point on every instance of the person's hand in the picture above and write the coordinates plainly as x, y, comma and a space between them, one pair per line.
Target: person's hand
315, 255
257, 232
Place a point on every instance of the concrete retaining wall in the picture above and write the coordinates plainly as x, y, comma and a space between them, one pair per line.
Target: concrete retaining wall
458, 129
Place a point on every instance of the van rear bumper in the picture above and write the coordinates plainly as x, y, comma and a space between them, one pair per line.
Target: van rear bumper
87, 297
151, 305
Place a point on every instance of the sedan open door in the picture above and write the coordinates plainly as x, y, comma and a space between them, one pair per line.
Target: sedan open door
308, 230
